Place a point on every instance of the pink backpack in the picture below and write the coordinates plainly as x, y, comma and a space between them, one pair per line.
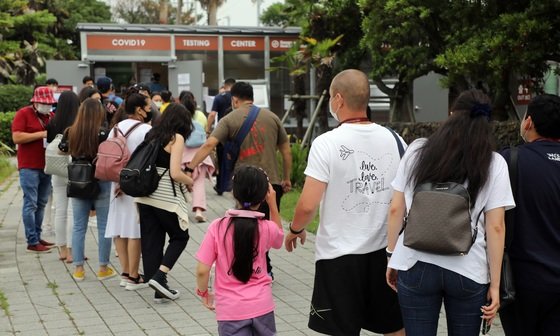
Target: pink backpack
112, 155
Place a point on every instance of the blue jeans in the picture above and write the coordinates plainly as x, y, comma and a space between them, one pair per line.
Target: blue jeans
81, 208
36, 187
421, 291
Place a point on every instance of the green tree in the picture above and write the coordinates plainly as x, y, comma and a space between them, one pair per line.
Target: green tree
329, 39
32, 31
149, 12
516, 43
483, 44
211, 7
275, 15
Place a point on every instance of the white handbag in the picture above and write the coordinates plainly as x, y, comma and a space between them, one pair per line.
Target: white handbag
56, 162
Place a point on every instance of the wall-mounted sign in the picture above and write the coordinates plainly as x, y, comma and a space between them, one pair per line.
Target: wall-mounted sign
128, 42
243, 43
281, 43
197, 43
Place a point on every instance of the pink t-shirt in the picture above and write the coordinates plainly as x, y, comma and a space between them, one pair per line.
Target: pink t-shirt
234, 299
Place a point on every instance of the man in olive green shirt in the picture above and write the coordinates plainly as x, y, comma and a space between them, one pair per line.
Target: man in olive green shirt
267, 135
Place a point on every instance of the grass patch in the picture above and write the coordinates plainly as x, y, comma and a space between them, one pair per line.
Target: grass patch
6, 168
4, 303
288, 207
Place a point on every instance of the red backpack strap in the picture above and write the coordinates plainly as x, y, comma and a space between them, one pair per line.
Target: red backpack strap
131, 129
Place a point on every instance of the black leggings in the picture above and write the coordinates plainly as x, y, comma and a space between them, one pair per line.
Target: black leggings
154, 224
264, 209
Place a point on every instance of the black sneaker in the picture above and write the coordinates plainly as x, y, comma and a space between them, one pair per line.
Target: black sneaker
159, 283
158, 298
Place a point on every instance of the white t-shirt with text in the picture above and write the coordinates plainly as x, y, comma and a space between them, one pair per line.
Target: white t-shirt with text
358, 163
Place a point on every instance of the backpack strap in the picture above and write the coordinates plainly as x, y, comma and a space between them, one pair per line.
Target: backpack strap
131, 129
247, 124
399, 143
510, 218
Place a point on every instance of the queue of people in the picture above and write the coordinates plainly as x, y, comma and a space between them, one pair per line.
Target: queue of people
361, 177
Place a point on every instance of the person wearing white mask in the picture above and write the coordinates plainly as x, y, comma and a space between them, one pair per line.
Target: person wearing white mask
348, 177
156, 99
29, 133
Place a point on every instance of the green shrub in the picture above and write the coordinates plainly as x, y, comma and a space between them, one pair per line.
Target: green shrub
14, 97
299, 162
6, 119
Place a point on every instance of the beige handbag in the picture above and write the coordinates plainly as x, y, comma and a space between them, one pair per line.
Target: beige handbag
439, 219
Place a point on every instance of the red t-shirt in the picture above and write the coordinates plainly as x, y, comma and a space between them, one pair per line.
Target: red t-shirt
30, 155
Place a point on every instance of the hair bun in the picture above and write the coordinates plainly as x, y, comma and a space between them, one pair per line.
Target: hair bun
481, 110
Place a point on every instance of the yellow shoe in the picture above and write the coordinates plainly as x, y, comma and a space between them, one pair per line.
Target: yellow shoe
79, 275
107, 274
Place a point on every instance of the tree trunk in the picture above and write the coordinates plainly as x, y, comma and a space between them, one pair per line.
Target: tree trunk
299, 105
213, 13
179, 19
324, 78
502, 107
402, 103
163, 11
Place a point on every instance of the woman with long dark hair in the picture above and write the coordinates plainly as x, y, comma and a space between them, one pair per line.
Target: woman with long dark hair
84, 137
237, 244
68, 104
123, 223
166, 210
460, 151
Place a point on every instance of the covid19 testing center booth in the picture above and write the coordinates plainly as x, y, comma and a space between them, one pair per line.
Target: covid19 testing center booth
194, 58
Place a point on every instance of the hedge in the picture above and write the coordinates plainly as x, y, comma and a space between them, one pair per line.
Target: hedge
6, 128
506, 132
14, 97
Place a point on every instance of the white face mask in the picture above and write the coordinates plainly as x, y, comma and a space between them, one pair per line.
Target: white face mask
333, 113
158, 104
43, 108
522, 130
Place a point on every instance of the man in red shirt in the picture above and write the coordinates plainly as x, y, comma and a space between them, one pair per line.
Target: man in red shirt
30, 135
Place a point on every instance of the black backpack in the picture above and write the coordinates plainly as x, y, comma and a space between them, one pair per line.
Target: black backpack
140, 177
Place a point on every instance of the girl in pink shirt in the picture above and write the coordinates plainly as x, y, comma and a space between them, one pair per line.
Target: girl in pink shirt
237, 243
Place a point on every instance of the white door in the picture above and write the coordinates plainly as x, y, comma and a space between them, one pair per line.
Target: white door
186, 75
68, 72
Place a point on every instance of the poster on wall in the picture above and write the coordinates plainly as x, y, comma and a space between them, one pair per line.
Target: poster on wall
145, 76
99, 72
184, 78
260, 94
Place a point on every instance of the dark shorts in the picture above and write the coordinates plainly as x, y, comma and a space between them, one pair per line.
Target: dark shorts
350, 293
263, 325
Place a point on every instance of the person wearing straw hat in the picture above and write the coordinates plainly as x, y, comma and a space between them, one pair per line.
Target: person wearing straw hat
29, 133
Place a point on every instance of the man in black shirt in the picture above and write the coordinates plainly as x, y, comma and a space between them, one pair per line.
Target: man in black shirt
535, 249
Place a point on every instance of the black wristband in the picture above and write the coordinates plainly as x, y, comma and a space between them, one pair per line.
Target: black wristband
189, 170
294, 231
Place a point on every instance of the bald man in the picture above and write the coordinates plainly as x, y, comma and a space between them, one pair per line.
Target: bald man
348, 175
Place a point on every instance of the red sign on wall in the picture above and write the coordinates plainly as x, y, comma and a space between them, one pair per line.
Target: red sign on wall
197, 43
281, 43
128, 42
243, 43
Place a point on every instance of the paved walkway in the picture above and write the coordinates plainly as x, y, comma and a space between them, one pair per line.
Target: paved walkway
41, 298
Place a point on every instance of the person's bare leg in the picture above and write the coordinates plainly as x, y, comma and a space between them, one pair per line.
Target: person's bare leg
134, 249
121, 244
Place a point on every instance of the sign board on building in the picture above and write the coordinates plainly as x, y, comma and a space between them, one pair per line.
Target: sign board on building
281, 43
196, 43
128, 42
243, 43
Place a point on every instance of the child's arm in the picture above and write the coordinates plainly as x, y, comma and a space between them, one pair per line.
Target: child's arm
271, 201
202, 276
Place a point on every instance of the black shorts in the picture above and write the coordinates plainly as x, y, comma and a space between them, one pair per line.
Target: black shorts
350, 293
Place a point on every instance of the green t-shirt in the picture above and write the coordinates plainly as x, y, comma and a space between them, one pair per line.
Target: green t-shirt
261, 143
